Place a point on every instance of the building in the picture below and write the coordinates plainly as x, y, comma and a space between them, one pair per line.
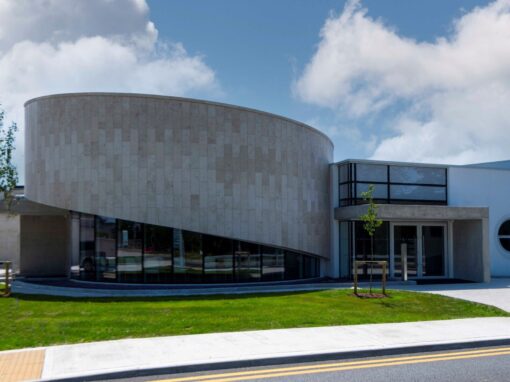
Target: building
132, 188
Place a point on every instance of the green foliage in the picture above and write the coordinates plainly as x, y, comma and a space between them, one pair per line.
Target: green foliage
8, 171
42, 320
370, 219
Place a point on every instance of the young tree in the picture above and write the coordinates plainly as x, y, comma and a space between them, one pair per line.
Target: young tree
8, 171
370, 223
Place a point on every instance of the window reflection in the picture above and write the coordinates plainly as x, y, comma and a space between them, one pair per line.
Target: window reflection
418, 175
371, 172
218, 259
129, 252
124, 251
105, 249
273, 263
87, 248
247, 258
417, 192
187, 257
157, 262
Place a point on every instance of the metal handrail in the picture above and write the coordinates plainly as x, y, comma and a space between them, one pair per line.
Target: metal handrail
7, 277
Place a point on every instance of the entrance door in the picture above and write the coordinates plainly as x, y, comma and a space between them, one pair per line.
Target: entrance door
425, 245
433, 250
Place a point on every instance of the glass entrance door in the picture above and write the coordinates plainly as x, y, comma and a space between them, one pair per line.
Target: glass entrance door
405, 245
433, 250
424, 249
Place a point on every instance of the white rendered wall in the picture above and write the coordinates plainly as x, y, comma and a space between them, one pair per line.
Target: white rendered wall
477, 187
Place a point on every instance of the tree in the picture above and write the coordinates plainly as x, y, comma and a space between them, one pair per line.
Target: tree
8, 171
370, 223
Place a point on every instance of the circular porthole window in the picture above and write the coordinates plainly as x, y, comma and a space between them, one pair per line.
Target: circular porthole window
504, 235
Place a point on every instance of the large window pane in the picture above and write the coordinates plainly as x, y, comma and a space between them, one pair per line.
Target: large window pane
157, 257
343, 173
187, 257
293, 265
417, 175
273, 263
345, 248
129, 252
87, 248
380, 190
418, 193
247, 258
344, 191
105, 248
433, 250
218, 259
371, 172
363, 247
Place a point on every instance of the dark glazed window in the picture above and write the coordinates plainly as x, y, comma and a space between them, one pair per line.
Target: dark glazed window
418, 175
247, 260
124, 251
504, 235
129, 252
380, 190
218, 259
363, 246
293, 265
273, 263
371, 173
343, 173
187, 257
417, 192
87, 248
157, 257
106, 262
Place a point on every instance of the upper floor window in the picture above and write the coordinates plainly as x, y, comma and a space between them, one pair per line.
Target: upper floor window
393, 183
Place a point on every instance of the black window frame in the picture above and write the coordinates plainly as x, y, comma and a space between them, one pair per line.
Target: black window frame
352, 183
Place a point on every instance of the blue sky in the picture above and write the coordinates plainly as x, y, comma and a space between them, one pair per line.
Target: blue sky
422, 81
258, 48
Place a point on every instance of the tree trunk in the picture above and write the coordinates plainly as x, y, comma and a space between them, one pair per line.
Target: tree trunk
371, 264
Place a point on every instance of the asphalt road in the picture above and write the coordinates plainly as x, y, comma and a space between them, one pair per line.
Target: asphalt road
478, 364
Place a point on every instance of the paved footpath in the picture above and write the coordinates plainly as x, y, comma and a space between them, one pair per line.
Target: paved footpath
193, 352
495, 293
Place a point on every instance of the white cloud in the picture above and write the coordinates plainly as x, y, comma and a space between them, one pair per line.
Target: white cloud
458, 86
54, 46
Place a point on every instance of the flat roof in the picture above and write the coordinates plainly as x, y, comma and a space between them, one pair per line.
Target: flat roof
500, 165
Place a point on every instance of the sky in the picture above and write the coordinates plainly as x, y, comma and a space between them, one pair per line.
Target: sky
421, 81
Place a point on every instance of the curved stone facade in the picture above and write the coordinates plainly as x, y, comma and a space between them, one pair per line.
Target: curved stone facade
194, 165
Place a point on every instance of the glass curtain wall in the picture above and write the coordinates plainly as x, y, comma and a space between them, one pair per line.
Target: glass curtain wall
131, 252
187, 257
87, 248
247, 260
106, 256
363, 251
158, 254
273, 263
218, 259
392, 183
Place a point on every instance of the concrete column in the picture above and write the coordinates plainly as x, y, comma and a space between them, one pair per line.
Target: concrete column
334, 256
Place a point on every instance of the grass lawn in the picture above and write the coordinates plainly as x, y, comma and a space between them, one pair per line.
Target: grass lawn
39, 320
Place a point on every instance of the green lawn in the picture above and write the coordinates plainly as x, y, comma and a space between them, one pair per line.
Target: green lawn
35, 321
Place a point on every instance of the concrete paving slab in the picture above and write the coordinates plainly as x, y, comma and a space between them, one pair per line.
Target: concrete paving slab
163, 353
495, 293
